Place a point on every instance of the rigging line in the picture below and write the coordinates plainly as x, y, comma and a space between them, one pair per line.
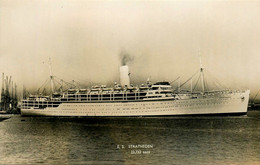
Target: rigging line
219, 85
39, 89
54, 86
57, 82
217, 81
69, 82
189, 79
196, 83
211, 77
186, 81
214, 83
65, 82
175, 80
76, 77
206, 86
204, 82
44, 83
60, 79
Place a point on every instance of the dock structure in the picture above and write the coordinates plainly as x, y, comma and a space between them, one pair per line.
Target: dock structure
8, 99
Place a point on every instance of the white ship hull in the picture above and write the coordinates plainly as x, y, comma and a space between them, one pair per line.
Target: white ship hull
234, 103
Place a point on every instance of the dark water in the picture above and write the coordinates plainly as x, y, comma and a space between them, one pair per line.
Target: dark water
170, 140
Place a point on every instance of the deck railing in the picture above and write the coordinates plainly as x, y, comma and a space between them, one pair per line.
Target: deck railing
54, 102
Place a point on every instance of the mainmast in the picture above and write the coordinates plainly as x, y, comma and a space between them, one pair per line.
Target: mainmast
201, 74
51, 76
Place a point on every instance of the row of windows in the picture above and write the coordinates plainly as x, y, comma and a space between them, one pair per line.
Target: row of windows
148, 108
91, 113
127, 104
157, 107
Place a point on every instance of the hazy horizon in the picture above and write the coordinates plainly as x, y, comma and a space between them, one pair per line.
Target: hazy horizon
85, 41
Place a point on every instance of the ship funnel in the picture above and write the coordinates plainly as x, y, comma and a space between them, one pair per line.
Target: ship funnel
124, 76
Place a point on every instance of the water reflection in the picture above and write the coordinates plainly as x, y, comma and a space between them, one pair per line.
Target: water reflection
175, 140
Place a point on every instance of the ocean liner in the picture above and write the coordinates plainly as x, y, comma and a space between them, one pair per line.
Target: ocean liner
124, 99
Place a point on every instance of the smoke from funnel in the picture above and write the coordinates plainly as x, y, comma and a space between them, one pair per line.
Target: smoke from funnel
125, 58
124, 76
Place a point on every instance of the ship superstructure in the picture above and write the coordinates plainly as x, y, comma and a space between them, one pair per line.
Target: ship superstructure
124, 99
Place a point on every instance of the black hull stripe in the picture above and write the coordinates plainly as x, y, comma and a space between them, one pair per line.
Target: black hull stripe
182, 115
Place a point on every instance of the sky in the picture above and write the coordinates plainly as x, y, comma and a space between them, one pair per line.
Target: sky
165, 39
